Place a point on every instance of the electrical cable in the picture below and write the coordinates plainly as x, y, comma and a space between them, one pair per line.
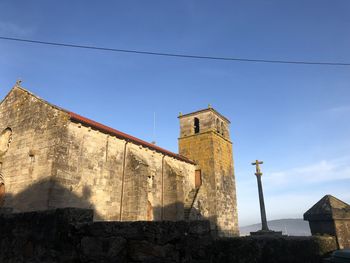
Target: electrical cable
173, 54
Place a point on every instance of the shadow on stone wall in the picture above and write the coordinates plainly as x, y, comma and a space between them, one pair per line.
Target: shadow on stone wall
45, 195
175, 212
51, 194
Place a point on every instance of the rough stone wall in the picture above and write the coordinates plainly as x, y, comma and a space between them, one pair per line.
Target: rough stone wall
27, 158
69, 235
323, 227
47, 161
118, 179
208, 120
212, 150
274, 249
343, 233
176, 186
135, 198
200, 148
88, 172
226, 203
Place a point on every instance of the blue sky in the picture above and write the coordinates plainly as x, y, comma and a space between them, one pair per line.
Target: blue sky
293, 117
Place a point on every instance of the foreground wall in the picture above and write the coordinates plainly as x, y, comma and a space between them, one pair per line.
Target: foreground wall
69, 235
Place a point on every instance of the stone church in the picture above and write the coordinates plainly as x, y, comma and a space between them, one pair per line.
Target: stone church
53, 158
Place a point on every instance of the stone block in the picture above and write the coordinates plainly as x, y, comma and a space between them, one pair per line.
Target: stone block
100, 249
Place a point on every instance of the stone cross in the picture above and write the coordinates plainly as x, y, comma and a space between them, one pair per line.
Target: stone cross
18, 83
256, 163
258, 174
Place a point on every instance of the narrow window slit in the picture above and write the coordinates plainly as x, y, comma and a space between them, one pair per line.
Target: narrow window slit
196, 125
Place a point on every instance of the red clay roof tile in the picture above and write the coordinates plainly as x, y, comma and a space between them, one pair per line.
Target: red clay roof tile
98, 126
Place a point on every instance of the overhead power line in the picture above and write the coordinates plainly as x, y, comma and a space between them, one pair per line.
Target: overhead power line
173, 54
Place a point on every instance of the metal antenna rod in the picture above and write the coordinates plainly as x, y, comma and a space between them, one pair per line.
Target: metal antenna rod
154, 128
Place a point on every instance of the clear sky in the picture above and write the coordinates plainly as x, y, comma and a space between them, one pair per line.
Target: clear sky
293, 117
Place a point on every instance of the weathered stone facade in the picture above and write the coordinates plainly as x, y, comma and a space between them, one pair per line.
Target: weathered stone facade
53, 158
330, 216
50, 160
26, 165
123, 181
205, 138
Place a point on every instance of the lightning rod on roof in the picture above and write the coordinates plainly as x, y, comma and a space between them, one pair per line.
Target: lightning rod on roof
154, 128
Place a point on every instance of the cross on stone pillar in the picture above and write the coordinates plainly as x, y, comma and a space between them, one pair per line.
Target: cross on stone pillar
258, 174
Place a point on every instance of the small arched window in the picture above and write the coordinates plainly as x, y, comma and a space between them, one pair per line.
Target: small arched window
222, 128
5, 140
196, 125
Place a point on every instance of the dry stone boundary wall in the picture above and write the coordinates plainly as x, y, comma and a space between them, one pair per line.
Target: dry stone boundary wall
70, 235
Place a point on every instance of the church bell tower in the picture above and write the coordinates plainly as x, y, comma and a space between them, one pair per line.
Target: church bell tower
205, 139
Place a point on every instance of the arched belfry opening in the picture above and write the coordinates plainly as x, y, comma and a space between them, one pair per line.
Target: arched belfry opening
196, 125
222, 128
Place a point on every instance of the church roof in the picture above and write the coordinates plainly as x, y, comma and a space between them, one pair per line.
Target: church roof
105, 129
329, 207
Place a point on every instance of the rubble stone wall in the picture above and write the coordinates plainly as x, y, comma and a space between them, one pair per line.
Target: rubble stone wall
70, 235
343, 232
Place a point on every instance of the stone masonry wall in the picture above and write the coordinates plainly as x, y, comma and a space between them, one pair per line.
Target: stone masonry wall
47, 161
69, 235
202, 145
118, 179
212, 150
26, 161
343, 233
208, 120
226, 203
89, 174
